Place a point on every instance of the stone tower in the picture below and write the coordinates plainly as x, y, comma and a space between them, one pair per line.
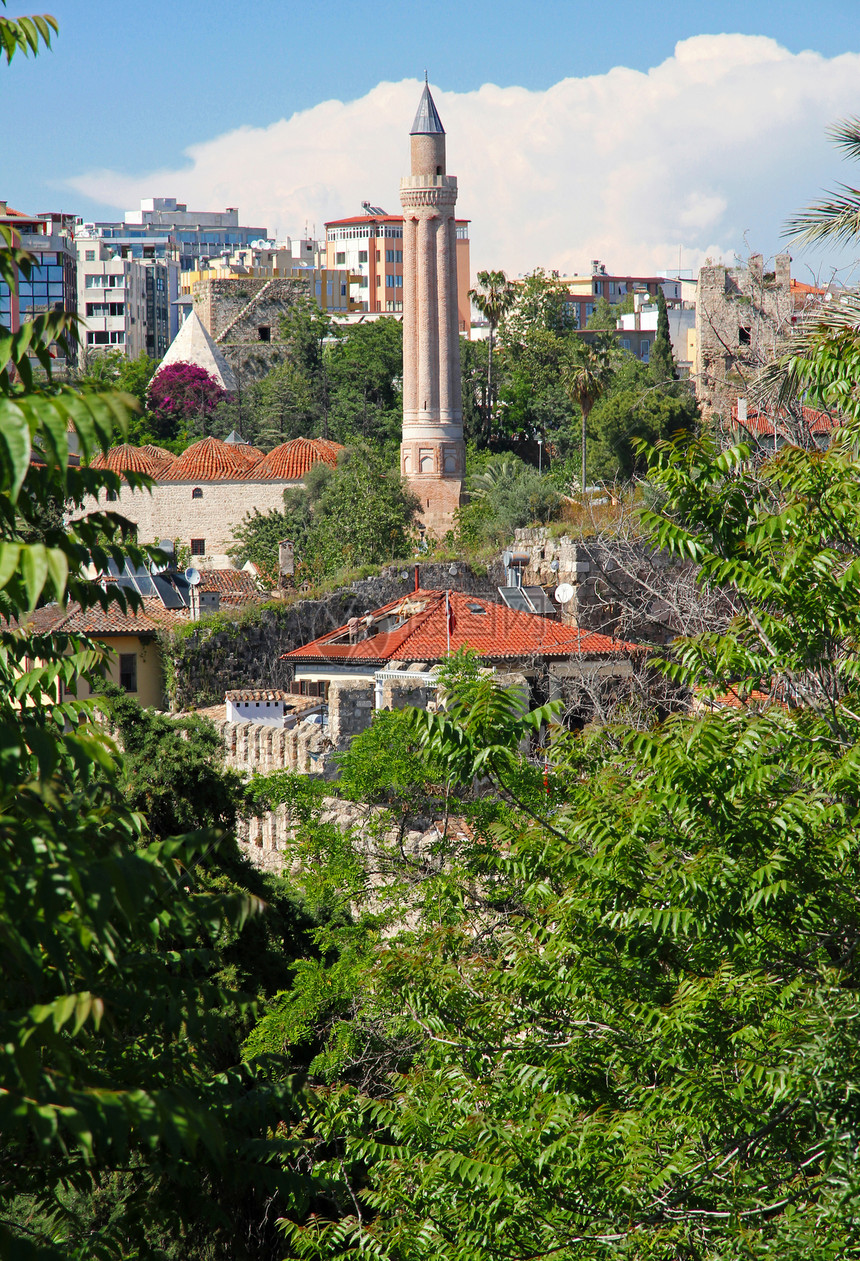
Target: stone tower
432, 454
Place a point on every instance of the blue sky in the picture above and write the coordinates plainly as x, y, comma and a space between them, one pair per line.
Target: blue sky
129, 88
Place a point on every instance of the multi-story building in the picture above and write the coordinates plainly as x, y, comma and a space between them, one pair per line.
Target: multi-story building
163, 221
52, 283
370, 245
582, 293
127, 302
303, 259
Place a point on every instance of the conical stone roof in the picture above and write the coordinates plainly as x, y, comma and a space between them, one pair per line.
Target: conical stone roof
192, 344
427, 120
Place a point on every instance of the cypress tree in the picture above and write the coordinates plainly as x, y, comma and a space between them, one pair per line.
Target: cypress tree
662, 360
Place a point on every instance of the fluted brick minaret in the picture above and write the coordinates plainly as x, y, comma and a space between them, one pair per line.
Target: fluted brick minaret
432, 454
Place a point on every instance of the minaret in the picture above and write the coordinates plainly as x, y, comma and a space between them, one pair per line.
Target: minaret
432, 454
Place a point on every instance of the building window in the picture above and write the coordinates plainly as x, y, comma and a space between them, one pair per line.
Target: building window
89, 256
389, 281
624, 343
340, 258
128, 671
645, 351
265, 333
98, 339
598, 286
362, 256
198, 547
398, 282
197, 493
117, 339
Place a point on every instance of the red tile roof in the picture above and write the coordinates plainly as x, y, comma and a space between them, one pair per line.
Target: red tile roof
126, 458
761, 422
209, 460
74, 620
227, 580
418, 632
291, 460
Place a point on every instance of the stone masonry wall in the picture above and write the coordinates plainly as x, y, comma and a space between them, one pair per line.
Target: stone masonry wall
208, 663
169, 512
623, 588
238, 307
251, 746
741, 315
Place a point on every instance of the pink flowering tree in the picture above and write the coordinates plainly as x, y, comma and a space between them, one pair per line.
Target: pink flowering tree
183, 396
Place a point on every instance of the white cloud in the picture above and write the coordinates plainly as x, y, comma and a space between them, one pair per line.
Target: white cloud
724, 137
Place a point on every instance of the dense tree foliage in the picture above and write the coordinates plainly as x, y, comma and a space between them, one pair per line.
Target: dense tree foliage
356, 514
181, 399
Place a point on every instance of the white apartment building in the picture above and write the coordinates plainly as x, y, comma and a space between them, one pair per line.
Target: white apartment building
125, 301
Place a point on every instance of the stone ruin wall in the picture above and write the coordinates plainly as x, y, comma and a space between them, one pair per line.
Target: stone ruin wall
238, 306
742, 313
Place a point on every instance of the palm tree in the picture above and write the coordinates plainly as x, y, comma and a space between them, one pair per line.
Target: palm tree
493, 296
584, 377
837, 217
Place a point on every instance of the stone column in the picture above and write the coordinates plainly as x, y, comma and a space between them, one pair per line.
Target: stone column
443, 272
428, 337
410, 314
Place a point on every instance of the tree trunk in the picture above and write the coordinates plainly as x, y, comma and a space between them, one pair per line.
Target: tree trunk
490, 387
584, 420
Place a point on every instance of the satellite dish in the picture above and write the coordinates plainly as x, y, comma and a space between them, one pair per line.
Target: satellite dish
192, 577
564, 592
166, 545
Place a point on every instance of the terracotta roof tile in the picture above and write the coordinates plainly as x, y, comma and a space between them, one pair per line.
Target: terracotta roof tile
228, 581
96, 621
291, 460
419, 633
209, 460
126, 458
761, 422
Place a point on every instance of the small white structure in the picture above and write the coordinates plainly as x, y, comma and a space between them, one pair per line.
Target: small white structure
260, 705
270, 707
192, 344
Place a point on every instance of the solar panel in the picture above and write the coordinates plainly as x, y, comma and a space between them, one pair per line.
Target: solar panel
539, 601
113, 569
514, 598
144, 584
170, 597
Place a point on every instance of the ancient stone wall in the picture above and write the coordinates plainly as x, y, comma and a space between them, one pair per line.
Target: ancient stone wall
170, 512
250, 746
621, 587
243, 314
350, 709
741, 315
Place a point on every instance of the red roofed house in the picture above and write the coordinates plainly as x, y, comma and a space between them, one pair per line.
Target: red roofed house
758, 426
417, 632
202, 496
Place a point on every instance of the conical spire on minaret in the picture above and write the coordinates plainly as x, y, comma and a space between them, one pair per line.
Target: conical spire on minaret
427, 120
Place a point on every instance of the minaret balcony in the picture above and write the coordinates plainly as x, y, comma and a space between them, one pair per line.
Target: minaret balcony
429, 181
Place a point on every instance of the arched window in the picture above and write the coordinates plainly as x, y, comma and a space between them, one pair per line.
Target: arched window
197, 493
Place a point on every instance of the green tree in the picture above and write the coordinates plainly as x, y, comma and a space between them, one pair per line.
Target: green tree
662, 360
365, 373
364, 514
112, 1014
639, 1042
585, 375
634, 410
112, 369
493, 296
